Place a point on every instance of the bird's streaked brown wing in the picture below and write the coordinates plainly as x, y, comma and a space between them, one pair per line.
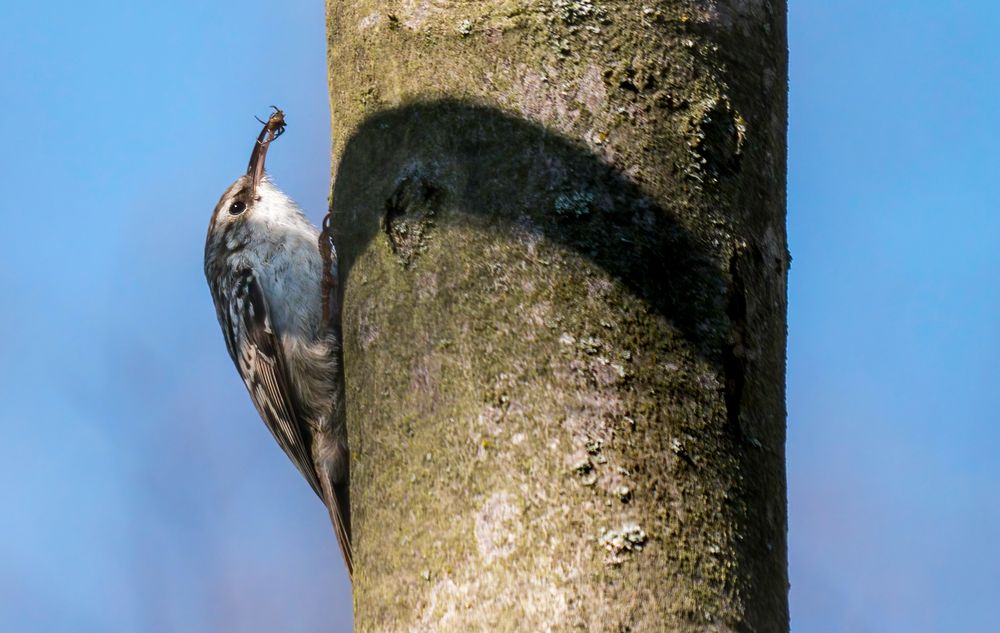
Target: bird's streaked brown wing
258, 355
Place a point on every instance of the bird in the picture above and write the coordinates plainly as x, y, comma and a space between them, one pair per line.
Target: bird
265, 269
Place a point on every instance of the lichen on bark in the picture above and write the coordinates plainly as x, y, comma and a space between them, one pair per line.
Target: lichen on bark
560, 228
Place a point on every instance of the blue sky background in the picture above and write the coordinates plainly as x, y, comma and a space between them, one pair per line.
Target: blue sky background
141, 493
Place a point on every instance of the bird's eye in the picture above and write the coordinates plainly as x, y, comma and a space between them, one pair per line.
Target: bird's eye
238, 207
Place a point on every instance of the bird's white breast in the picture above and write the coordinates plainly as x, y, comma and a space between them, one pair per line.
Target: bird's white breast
290, 270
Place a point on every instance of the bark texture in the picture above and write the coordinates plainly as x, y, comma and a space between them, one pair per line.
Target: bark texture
561, 235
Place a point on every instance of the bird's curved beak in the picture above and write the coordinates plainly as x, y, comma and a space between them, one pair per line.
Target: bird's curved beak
273, 128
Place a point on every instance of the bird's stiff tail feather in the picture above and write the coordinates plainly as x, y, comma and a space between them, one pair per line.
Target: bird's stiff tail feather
340, 515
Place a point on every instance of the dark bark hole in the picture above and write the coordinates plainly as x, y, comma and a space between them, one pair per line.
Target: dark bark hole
409, 217
627, 84
734, 354
720, 139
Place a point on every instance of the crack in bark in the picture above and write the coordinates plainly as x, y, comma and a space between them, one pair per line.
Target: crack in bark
734, 354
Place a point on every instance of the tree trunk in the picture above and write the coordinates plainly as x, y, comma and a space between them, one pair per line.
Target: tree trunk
561, 235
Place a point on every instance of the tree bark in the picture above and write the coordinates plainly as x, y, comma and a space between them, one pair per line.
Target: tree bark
560, 227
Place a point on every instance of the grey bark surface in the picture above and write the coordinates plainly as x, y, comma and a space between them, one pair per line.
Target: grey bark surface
560, 227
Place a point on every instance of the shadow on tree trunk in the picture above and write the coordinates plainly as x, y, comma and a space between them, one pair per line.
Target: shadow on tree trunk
408, 170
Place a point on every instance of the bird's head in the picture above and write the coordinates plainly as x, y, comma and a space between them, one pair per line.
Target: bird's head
252, 189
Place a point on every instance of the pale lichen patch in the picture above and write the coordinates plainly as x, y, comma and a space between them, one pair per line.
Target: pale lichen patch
370, 20
622, 541
480, 602
498, 525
